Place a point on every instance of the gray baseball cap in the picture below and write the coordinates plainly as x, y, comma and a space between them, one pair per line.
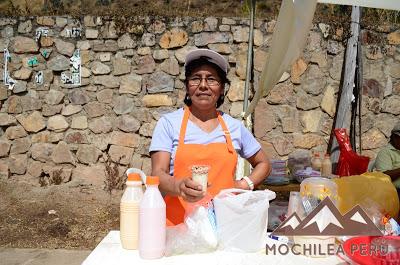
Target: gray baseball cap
396, 129
209, 55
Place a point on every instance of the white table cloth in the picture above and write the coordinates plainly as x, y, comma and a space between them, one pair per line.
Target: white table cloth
110, 252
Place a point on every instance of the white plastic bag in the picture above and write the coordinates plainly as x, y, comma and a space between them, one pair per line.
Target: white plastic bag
242, 218
196, 235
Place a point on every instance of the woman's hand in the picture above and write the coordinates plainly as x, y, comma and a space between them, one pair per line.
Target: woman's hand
241, 184
189, 190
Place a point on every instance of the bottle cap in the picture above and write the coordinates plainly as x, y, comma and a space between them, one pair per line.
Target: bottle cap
327, 155
152, 180
316, 154
134, 177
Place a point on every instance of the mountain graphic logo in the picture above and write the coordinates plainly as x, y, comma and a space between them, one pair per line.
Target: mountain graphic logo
326, 220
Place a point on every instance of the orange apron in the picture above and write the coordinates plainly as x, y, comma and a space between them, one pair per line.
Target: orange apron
221, 157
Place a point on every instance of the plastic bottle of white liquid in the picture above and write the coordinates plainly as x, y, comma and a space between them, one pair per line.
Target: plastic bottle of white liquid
152, 221
326, 168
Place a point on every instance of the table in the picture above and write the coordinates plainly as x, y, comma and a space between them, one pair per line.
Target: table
110, 252
281, 188
282, 191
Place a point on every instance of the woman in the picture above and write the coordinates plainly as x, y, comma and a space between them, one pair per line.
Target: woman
201, 135
388, 158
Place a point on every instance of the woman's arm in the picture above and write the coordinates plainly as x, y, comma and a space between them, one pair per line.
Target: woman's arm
394, 173
160, 167
186, 188
261, 169
383, 163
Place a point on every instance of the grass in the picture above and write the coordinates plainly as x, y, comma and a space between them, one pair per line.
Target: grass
325, 13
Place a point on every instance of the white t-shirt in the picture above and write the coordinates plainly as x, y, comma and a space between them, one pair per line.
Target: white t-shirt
166, 135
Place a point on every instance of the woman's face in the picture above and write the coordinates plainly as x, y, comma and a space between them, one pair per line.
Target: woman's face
204, 87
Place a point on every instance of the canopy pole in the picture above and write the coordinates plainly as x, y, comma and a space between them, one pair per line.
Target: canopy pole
243, 167
360, 88
343, 111
249, 65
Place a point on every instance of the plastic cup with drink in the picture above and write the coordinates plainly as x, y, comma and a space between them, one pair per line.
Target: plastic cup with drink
200, 175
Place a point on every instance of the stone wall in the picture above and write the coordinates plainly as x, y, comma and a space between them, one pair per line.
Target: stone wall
133, 73
299, 112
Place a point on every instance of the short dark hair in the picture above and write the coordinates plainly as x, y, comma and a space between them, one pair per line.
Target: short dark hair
197, 63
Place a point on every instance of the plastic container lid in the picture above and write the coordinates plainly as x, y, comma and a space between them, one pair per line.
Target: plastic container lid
319, 181
319, 187
152, 180
134, 177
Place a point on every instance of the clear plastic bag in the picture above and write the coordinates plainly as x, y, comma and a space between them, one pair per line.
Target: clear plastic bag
298, 160
276, 214
382, 220
196, 235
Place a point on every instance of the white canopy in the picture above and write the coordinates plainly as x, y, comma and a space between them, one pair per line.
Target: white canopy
383, 4
290, 35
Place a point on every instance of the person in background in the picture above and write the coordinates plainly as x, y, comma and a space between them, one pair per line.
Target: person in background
388, 158
199, 134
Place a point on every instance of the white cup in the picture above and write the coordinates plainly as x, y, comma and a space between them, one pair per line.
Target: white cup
200, 175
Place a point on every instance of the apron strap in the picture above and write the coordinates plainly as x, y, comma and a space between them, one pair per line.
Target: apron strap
226, 132
183, 126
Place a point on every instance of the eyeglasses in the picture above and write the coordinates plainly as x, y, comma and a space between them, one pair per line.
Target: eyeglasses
211, 81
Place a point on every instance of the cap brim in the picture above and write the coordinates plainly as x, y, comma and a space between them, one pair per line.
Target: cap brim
210, 56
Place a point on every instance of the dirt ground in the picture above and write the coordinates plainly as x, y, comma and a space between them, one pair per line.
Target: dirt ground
57, 216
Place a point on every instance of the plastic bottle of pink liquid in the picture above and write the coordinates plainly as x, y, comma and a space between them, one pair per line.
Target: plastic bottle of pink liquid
152, 221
